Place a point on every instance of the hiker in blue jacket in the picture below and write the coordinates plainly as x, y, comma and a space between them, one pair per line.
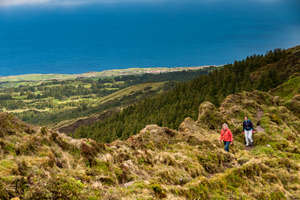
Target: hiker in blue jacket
248, 130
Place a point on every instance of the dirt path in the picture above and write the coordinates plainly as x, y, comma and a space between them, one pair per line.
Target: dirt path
259, 115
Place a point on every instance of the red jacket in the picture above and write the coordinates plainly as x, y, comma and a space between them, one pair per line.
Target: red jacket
226, 135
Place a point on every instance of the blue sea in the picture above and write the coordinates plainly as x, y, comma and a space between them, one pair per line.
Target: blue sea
75, 36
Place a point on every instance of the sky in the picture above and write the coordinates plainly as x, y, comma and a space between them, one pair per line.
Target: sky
10, 3
76, 36
63, 2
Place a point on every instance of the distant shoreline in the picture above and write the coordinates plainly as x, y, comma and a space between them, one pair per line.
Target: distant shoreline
104, 73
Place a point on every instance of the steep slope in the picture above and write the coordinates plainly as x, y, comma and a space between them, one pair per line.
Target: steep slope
158, 162
257, 72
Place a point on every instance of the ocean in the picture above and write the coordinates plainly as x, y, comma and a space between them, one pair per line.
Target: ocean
99, 35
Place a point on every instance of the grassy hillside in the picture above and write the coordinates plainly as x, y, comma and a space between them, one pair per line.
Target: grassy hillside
158, 162
187, 162
260, 72
290, 91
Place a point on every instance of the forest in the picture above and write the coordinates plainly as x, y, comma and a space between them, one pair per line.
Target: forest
257, 72
52, 101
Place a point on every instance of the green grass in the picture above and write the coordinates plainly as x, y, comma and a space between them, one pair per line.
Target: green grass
288, 89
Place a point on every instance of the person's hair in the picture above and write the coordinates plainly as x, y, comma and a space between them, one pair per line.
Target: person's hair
226, 125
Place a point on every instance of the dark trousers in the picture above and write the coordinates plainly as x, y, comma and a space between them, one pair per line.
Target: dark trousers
226, 145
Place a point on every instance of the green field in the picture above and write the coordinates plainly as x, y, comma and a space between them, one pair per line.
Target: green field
53, 98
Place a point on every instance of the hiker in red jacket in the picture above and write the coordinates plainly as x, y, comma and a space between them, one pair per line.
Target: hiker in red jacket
226, 136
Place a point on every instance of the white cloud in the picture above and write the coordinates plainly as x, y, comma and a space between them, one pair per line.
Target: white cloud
21, 2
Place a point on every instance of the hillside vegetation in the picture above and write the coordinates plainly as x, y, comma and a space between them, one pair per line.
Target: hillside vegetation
258, 72
158, 162
45, 102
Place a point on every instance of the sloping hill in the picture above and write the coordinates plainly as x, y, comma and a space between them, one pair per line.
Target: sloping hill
258, 72
158, 162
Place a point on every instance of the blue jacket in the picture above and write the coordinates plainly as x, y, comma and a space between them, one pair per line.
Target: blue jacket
247, 125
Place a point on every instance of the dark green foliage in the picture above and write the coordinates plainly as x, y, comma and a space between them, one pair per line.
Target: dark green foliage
39, 101
170, 108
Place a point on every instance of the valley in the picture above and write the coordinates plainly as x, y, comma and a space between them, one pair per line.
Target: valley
51, 99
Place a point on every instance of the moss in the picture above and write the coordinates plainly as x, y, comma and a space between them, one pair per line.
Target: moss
137, 187
281, 145
7, 166
102, 166
66, 188
267, 151
93, 198
7, 147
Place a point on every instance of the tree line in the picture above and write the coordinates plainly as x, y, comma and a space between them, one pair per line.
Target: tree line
257, 72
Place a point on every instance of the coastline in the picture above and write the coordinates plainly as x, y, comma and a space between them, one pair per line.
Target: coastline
104, 73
